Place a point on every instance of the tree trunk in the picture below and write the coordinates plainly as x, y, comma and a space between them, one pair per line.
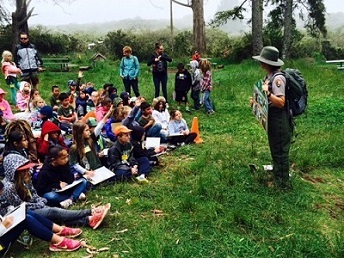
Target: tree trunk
19, 21
198, 23
288, 27
198, 26
257, 26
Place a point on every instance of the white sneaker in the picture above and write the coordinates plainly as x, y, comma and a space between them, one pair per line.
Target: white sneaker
142, 179
82, 197
66, 203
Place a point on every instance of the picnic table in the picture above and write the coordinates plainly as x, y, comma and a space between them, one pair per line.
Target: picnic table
63, 62
340, 63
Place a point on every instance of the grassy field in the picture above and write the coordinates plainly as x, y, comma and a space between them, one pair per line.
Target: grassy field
211, 203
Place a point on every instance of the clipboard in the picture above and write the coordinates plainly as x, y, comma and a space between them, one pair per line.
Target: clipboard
101, 174
152, 142
18, 214
69, 186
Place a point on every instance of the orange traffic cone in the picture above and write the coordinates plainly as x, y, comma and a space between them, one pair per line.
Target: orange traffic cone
195, 129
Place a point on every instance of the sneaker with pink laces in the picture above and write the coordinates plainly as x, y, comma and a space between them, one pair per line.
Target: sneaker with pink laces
101, 208
98, 218
67, 245
70, 232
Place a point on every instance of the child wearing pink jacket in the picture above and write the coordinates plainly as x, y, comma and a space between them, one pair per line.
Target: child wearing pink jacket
10, 70
23, 96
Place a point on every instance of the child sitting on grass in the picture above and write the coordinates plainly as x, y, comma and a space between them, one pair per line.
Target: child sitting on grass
54, 99
37, 104
121, 160
66, 113
39, 227
23, 96
84, 157
148, 123
56, 174
19, 188
51, 136
178, 130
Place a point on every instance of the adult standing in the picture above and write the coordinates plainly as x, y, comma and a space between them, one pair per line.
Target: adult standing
28, 60
159, 61
279, 120
129, 71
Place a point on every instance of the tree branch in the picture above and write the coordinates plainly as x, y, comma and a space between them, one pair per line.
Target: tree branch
183, 4
26, 17
223, 16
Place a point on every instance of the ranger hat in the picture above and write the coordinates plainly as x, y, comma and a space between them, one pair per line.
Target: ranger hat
269, 55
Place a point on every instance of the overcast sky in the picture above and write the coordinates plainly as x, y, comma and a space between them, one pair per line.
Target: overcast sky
90, 11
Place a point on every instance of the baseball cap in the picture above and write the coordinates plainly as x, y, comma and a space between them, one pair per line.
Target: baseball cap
71, 83
46, 111
91, 122
26, 166
121, 129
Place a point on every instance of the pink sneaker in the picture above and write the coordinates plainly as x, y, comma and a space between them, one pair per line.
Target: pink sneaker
67, 245
100, 209
98, 218
70, 232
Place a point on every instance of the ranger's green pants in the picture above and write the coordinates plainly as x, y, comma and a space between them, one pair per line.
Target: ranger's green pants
279, 135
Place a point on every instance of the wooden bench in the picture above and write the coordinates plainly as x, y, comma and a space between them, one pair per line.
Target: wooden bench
340, 63
63, 62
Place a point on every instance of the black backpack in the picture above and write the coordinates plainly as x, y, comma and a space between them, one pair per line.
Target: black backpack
296, 91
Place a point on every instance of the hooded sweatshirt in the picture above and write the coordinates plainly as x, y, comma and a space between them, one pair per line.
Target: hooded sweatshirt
23, 101
11, 163
44, 146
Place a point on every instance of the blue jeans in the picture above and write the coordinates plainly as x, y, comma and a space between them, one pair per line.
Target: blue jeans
157, 79
207, 101
37, 225
154, 130
54, 198
70, 218
144, 165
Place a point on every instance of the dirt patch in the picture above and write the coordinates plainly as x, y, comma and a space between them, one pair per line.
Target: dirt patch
313, 180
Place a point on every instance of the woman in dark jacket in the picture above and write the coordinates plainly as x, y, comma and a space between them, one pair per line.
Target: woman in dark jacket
158, 61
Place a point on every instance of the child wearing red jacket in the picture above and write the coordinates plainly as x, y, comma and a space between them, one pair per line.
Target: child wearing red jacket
50, 137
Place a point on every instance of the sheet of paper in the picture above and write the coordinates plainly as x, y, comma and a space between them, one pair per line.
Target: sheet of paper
18, 214
152, 142
174, 134
76, 182
100, 175
105, 151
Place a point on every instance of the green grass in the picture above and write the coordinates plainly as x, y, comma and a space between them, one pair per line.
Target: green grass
213, 206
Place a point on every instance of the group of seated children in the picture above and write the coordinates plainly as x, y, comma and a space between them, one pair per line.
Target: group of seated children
37, 168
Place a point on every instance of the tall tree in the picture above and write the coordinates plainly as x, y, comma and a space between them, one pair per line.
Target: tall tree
257, 26
198, 23
19, 20
315, 21
237, 13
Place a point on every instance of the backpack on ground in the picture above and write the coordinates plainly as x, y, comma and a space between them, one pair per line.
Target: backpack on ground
296, 91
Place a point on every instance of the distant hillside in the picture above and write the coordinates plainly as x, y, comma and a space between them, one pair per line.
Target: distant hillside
333, 21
